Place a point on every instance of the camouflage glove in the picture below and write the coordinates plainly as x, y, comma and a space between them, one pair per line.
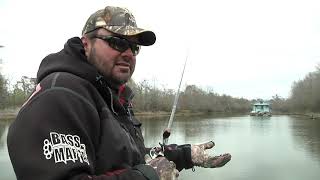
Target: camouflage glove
165, 169
202, 159
186, 156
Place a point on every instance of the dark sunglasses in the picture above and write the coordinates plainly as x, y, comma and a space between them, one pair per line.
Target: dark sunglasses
120, 44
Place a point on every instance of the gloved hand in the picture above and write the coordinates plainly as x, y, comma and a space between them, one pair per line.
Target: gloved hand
186, 156
200, 158
165, 169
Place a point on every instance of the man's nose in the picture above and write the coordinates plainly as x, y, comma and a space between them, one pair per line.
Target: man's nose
128, 53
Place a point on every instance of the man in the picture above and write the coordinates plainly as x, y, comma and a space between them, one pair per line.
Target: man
79, 124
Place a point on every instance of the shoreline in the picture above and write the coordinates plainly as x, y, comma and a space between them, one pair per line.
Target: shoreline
9, 113
309, 115
12, 113
163, 113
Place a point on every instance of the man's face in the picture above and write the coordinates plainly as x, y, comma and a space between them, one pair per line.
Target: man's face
114, 65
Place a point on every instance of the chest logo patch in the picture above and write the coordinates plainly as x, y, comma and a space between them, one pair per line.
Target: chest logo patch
64, 148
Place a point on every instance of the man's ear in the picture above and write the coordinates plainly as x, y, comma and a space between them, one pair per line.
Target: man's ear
84, 41
86, 44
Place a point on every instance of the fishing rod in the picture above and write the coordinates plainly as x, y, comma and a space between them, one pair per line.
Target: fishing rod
167, 131
155, 152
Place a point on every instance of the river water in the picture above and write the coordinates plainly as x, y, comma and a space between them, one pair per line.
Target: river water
277, 147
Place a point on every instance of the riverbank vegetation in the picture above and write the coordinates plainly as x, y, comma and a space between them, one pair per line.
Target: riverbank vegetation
148, 99
152, 100
304, 97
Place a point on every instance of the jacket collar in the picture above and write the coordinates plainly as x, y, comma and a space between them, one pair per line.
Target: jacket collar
118, 98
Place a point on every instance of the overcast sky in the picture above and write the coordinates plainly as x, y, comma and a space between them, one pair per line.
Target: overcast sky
243, 48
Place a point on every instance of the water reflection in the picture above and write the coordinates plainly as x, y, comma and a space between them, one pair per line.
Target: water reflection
306, 134
3, 132
6, 170
184, 129
276, 147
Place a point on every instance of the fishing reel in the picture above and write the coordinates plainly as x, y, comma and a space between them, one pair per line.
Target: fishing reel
156, 152
159, 151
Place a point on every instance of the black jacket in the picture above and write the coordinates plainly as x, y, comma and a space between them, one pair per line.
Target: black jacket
74, 126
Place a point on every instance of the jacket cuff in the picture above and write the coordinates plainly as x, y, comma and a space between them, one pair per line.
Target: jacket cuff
180, 155
186, 149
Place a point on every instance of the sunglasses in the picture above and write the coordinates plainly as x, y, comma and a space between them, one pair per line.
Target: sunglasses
120, 44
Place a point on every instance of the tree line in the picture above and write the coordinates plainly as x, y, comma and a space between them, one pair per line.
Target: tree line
150, 98
305, 96
12, 96
192, 99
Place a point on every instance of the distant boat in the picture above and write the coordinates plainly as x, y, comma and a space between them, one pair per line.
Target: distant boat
261, 109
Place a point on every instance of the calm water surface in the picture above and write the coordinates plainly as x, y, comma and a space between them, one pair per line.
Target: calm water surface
277, 148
